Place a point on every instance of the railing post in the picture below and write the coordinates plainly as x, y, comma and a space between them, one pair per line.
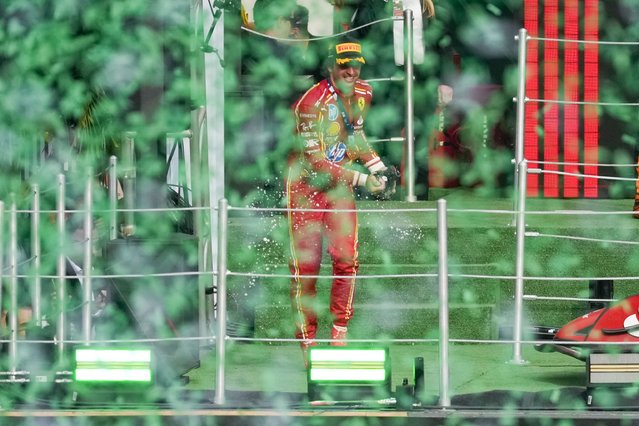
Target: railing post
36, 255
521, 99
87, 287
519, 266
113, 197
61, 269
410, 137
13, 286
129, 176
442, 238
200, 218
220, 335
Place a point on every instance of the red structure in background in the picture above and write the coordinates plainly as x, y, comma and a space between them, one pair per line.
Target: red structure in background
591, 94
562, 70
551, 91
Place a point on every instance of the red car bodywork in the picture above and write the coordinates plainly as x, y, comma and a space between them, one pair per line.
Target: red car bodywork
617, 323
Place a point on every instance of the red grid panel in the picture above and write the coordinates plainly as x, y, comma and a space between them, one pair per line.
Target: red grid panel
531, 139
591, 94
571, 93
551, 91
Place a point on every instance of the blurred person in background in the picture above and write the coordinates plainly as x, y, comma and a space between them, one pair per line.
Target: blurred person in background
370, 21
462, 53
277, 65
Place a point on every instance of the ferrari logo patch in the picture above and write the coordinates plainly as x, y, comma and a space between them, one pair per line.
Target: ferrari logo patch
361, 103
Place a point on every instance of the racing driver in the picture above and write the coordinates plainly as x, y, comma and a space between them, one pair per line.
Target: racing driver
329, 120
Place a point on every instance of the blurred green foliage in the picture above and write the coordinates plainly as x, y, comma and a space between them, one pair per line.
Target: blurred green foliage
102, 68
79, 74
75, 75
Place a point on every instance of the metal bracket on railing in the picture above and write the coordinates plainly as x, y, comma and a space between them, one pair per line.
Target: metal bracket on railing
14, 376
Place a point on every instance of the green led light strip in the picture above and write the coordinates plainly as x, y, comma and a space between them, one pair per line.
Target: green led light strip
347, 365
347, 375
112, 375
346, 355
113, 365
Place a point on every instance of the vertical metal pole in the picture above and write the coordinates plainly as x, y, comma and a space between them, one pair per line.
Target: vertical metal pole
442, 238
129, 176
521, 106
197, 60
199, 182
113, 197
220, 340
410, 137
61, 269
519, 267
36, 255
13, 286
213, 141
87, 285
198, 222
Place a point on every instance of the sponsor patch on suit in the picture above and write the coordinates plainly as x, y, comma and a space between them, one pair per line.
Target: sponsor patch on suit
336, 153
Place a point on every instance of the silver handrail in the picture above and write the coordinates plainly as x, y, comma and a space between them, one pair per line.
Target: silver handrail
61, 269
36, 255
522, 39
87, 284
113, 197
519, 266
220, 335
13, 286
442, 262
410, 136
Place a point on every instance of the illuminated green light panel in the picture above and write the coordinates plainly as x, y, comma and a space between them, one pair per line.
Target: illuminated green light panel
113, 365
352, 365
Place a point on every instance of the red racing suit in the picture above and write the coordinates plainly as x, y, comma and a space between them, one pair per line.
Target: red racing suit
318, 179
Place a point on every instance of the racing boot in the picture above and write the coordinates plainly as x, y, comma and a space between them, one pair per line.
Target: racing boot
635, 209
305, 344
338, 335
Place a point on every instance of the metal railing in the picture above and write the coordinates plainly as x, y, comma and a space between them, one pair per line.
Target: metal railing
10, 272
522, 169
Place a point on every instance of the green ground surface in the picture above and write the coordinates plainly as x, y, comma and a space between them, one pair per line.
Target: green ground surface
473, 368
482, 375
481, 241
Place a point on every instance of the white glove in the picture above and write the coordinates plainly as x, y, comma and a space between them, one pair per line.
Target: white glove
375, 184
